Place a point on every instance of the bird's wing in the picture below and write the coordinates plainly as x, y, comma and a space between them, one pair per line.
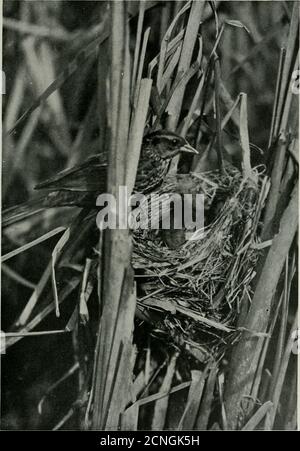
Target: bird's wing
88, 176
150, 174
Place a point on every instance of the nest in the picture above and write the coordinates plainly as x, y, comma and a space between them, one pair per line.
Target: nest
199, 287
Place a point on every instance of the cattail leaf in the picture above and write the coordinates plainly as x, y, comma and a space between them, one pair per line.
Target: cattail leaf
14, 275
70, 286
23, 318
130, 418
137, 131
141, 66
164, 44
55, 256
230, 112
207, 399
138, 42
271, 415
188, 418
258, 416
62, 77
160, 409
184, 65
244, 134
237, 23
170, 67
33, 243
172, 46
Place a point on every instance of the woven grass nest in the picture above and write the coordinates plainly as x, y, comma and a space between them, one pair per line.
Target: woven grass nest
199, 287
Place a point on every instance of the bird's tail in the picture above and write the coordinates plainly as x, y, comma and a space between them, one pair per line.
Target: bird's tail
20, 212
79, 199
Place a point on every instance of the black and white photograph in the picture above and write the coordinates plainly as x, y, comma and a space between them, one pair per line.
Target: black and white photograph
149, 215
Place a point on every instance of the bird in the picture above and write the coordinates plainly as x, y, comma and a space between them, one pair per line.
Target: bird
80, 185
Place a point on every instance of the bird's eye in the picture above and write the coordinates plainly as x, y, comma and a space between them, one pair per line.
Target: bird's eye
175, 142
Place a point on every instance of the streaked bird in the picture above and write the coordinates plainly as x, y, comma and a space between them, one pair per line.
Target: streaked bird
81, 184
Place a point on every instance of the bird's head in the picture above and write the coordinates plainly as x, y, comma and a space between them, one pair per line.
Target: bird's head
168, 144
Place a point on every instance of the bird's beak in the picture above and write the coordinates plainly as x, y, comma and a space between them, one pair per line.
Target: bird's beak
189, 149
